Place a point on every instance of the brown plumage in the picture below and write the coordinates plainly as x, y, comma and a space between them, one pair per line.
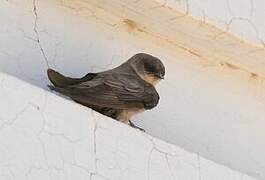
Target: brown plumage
118, 93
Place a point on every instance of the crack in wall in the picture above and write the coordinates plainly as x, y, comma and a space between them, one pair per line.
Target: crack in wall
11, 121
95, 128
169, 167
228, 27
48, 167
37, 33
166, 155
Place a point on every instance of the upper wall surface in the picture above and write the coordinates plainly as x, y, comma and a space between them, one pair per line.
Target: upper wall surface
177, 30
244, 18
212, 100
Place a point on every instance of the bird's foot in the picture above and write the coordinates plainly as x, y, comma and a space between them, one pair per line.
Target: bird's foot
134, 126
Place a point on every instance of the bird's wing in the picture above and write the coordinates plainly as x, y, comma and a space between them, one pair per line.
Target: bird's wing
60, 80
114, 91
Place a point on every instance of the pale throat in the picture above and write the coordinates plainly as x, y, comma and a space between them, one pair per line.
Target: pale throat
150, 79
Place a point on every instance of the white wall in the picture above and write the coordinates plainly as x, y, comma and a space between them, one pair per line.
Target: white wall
43, 136
244, 18
216, 110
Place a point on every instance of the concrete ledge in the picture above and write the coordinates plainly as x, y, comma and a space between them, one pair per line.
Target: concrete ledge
44, 136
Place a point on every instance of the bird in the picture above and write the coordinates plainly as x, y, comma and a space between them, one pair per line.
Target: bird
119, 93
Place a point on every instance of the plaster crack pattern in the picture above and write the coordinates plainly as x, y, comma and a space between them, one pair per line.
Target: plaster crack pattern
37, 33
59, 139
10, 122
57, 144
249, 11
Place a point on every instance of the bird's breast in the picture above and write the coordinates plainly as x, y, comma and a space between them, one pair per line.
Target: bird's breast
126, 115
150, 79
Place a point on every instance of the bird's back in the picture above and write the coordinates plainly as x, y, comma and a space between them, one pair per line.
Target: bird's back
111, 93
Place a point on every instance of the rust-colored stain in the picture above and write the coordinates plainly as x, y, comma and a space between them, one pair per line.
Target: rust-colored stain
132, 25
190, 51
254, 75
229, 65
232, 66
222, 64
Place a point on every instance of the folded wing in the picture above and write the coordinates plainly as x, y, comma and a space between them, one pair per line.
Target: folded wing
114, 91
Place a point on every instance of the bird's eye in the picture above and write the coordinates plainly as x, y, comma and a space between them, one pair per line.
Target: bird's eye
149, 68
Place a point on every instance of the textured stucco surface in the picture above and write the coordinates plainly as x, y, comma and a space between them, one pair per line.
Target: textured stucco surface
244, 18
44, 136
212, 100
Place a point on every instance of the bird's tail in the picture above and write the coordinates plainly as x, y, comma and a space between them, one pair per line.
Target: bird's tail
59, 80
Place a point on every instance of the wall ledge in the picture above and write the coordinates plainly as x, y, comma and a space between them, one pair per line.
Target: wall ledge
44, 136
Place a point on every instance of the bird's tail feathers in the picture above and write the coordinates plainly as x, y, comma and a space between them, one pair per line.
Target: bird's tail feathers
59, 80
56, 78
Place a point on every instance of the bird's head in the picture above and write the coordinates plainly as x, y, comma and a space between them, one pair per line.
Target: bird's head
148, 67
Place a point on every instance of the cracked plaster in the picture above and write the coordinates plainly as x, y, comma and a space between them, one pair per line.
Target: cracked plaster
212, 101
53, 138
244, 18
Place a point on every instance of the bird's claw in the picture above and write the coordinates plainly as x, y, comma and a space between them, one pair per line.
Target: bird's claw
134, 126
